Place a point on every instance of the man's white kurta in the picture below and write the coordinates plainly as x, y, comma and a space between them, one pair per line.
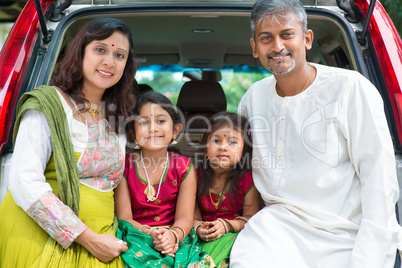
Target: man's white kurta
324, 163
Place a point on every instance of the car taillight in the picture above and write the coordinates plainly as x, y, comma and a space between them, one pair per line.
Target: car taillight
14, 58
388, 46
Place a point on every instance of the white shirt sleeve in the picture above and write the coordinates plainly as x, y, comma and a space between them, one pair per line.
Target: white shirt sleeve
32, 151
372, 154
28, 186
240, 109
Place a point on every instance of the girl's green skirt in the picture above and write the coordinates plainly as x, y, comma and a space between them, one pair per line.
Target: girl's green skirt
142, 253
220, 249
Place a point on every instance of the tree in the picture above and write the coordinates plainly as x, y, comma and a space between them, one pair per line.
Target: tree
394, 10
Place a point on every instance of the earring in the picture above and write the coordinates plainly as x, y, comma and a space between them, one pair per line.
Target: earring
137, 146
174, 141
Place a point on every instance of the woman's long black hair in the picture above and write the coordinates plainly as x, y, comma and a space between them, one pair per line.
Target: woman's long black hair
119, 99
240, 124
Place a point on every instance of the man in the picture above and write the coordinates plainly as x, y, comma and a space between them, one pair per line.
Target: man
323, 158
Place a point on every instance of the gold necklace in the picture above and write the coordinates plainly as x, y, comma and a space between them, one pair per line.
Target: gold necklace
308, 80
305, 86
93, 112
218, 197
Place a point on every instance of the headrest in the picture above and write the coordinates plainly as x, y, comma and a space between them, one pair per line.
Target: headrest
201, 97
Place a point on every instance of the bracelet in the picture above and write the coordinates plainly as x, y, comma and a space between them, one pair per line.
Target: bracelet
231, 225
224, 225
241, 218
151, 229
184, 232
142, 227
196, 225
176, 235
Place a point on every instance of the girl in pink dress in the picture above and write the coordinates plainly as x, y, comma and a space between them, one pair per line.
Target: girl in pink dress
226, 196
155, 202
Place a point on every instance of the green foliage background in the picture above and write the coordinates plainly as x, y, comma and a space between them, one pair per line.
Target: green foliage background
234, 85
394, 10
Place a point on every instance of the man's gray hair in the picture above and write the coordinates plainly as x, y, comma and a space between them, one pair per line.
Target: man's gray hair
266, 8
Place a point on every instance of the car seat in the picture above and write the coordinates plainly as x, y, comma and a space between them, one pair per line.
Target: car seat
198, 101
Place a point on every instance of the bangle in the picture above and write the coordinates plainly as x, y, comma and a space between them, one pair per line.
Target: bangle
143, 226
224, 225
176, 235
151, 229
242, 218
231, 225
196, 225
184, 233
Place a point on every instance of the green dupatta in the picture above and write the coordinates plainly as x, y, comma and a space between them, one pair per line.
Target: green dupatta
46, 100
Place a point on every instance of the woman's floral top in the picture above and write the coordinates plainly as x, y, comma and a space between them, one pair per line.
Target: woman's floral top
101, 164
99, 167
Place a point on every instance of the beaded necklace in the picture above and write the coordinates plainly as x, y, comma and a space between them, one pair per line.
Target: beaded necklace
150, 190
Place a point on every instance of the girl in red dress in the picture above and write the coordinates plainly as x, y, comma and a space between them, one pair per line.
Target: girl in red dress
155, 202
226, 196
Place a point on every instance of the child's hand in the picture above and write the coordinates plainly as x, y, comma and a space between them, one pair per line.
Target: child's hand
165, 242
216, 230
153, 232
202, 231
210, 231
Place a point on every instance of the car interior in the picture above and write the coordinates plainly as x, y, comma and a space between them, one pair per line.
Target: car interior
199, 46
197, 55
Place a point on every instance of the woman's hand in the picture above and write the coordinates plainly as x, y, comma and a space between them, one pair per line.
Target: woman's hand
210, 231
102, 246
165, 242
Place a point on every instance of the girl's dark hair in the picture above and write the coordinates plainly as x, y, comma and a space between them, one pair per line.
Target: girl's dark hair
151, 97
240, 124
119, 99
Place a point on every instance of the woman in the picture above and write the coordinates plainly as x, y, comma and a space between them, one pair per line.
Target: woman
68, 157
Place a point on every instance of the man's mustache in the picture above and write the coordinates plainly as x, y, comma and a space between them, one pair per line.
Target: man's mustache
279, 54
